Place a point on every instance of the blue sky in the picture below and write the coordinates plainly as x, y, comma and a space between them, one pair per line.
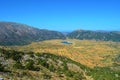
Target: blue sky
63, 15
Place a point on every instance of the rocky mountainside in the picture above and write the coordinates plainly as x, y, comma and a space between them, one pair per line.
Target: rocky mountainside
95, 35
18, 34
12, 33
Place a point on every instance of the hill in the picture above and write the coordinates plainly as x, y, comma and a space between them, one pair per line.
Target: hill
12, 33
95, 35
18, 65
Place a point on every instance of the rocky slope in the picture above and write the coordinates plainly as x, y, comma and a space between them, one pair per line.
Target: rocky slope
18, 34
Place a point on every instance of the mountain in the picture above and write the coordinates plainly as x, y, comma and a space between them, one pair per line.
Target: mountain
18, 65
95, 35
12, 33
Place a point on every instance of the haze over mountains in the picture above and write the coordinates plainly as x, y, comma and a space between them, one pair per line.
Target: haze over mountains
12, 33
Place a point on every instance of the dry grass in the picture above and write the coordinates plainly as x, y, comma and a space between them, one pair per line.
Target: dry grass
88, 52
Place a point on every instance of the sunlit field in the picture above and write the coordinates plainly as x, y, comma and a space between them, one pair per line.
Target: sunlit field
88, 52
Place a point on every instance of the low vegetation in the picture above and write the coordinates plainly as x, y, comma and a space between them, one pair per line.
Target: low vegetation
18, 65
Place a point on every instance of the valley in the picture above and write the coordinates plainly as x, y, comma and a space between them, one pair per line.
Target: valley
60, 40
28, 53
88, 52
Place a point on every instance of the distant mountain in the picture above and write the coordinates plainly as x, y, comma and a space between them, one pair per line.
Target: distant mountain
66, 32
12, 33
95, 35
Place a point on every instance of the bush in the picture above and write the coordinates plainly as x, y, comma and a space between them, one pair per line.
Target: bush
29, 64
69, 73
78, 76
52, 68
1, 67
18, 65
46, 76
43, 63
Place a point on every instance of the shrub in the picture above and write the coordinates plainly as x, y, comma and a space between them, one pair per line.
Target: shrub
69, 73
46, 76
52, 68
29, 64
18, 65
1, 67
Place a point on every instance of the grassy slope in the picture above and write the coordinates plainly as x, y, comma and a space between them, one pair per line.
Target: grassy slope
88, 52
46, 66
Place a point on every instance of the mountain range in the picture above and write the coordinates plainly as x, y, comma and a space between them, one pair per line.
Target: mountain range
95, 35
12, 33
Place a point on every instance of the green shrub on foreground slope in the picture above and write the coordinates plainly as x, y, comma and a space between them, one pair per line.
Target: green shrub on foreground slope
45, 66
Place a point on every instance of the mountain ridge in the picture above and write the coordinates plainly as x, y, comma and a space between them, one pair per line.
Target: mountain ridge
19, 34
95, 35
12, 33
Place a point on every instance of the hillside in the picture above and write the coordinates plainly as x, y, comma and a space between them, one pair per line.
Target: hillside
19, 34
95, 35
41, 66
18, 65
